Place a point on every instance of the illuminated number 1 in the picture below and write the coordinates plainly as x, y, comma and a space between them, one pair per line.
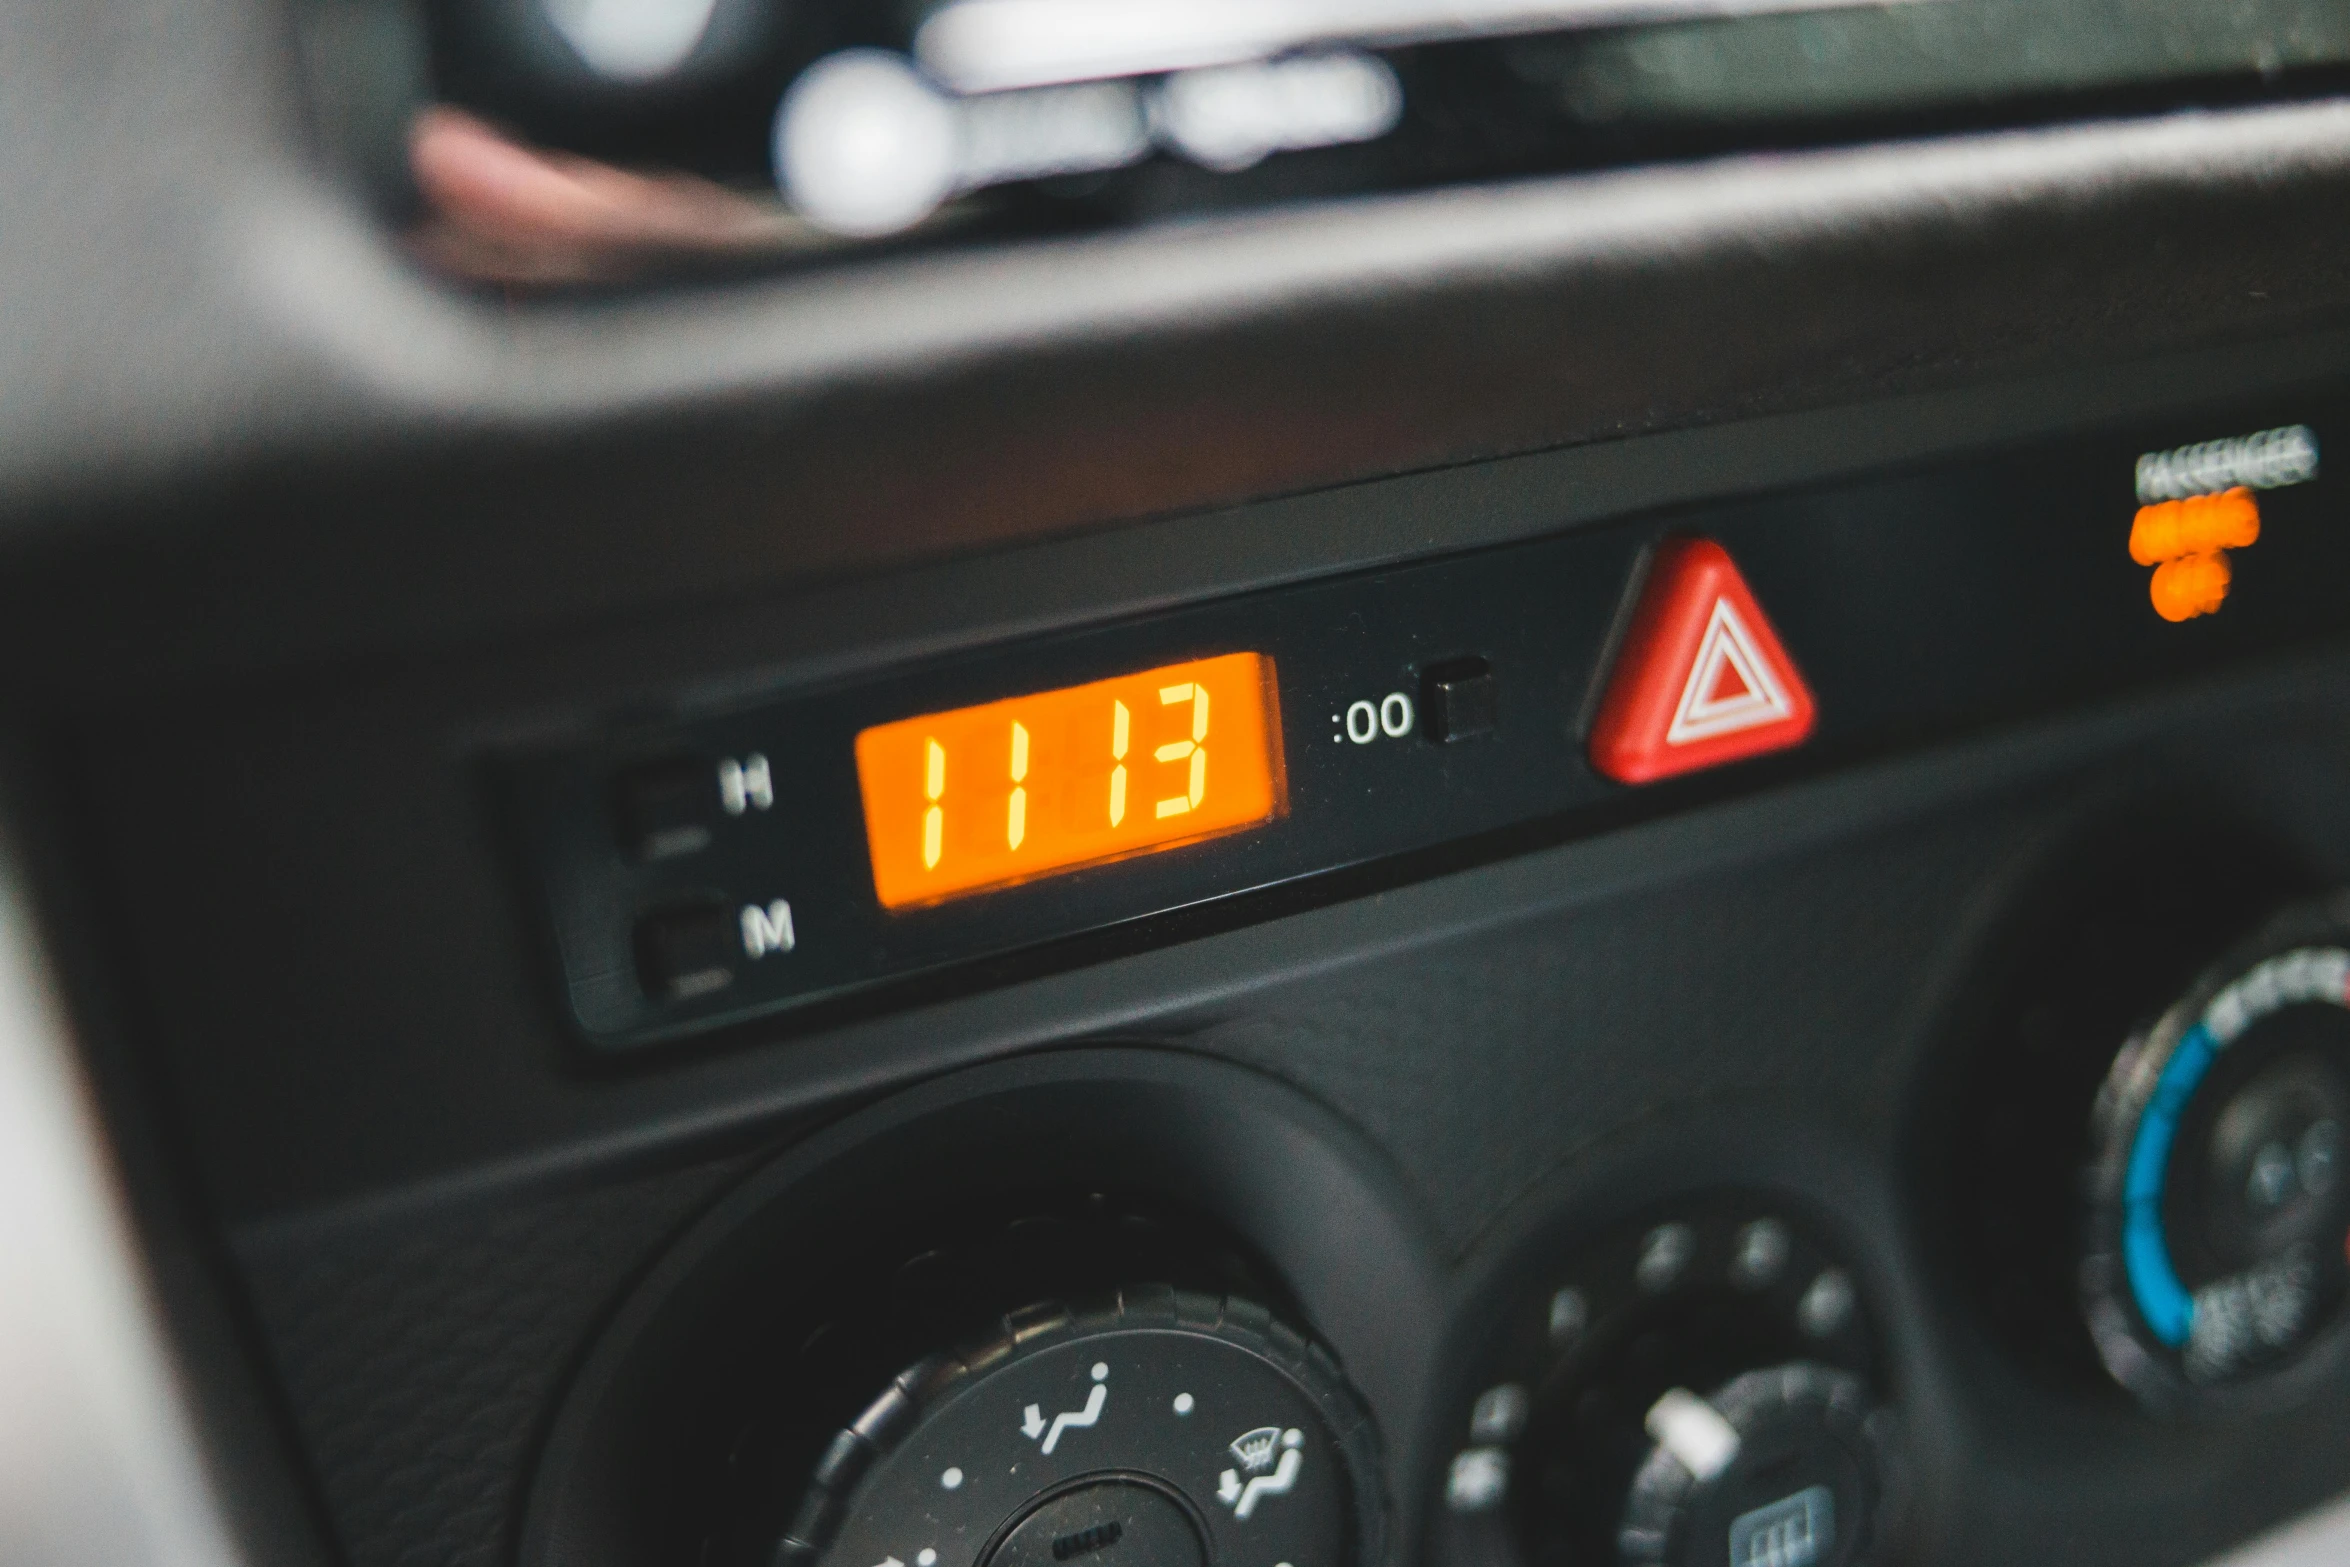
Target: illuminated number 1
1016, 821
1120, 722
934, 820
1195, 747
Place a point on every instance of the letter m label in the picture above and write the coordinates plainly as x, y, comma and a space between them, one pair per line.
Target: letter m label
767, 929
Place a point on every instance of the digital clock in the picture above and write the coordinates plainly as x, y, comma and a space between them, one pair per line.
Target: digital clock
981, 797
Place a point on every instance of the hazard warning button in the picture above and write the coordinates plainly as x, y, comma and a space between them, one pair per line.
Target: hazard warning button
1702, 679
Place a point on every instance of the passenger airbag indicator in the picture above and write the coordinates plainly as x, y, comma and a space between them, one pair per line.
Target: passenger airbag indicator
2196, 503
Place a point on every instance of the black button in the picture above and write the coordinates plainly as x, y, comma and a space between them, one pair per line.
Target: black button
687, 951
667, 808
1117, 1522
1459, 699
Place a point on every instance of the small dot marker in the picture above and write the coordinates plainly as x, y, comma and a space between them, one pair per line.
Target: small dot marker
1101, 1371
926, 1558
952, 1479
1183, 1404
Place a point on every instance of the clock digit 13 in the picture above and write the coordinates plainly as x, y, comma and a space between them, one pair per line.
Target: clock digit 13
982, 797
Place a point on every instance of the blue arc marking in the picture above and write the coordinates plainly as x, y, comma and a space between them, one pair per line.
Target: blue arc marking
2162, 1300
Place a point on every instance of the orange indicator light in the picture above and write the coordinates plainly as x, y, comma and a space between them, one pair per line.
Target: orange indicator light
983, 797
2186, 542
2190, 585
2196, 525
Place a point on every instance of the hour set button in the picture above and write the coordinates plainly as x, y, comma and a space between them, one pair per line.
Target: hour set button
675, 805
666, 808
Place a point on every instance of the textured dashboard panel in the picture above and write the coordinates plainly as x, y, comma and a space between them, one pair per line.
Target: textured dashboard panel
1796, 987
421, 1356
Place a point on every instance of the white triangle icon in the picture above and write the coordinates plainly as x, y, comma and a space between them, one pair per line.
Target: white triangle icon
1712, 705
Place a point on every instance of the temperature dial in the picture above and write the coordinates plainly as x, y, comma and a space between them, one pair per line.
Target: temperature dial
1162, 1430
2219, 1226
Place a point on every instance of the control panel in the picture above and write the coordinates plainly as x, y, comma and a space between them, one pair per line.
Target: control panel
1043, 1331
1311, 741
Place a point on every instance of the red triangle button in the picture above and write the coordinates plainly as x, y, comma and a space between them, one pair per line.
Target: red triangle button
1702, 678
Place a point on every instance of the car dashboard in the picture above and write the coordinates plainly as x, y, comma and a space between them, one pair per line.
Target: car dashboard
1006, 783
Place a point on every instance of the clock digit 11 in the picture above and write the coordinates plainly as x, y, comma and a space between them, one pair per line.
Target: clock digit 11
982, 797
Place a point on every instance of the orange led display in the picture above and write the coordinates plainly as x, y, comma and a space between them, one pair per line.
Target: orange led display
982, 797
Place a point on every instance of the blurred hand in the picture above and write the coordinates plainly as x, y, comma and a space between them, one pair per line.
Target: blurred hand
498, 211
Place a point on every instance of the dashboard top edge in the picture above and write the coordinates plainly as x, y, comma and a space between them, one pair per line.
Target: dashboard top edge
559, 668
558, 362
818, 635
1519, 316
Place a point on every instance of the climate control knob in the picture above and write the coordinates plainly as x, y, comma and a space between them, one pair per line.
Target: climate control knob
1162, 1429
2219, 1228
1784, 1464
1692, 1388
